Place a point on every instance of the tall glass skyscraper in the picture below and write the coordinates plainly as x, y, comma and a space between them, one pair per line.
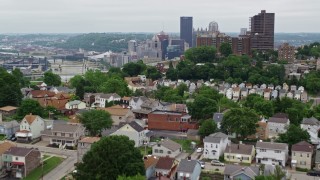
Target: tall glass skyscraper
186, 28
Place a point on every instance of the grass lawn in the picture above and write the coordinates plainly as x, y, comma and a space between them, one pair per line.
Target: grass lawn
142, 150
48, 166
186, 144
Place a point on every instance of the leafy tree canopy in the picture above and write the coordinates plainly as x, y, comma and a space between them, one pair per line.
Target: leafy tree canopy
52, 79
10, 93
225, 49
95, 121
241, 121
294, 135
111, 157
29, 106
201, 54
207, 127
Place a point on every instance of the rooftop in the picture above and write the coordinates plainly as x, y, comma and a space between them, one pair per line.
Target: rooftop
302, 146
168, 143
165, 163
18, 151
186, 165
90, 140
272, 145
240, 149
149, 161
8, 108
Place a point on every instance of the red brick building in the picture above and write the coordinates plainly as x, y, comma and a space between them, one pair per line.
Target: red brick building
170, 120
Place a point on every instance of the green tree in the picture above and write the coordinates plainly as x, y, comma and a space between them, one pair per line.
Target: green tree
111, 157
202, 107
181, 88
95, 78
77, 80
29, 106
241, 121
80, 91
52, 79
134, 69
171, 72
207, 127
115, 85
294, 135
225, 49
10, 93
95, 121
21, 79
136, 177
202, 54
264, 108
153, 73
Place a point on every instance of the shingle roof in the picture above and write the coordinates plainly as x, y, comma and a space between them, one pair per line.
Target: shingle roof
8, 108
272, 145
165, 163
168, 143
149, 161
65, 128
187, 165
5, 146
251, 171
215, 138
281, 115
136, 126
18, 151
278, 120
239, 149
89, 139
217, 117
310, 121
30, 118
41, 93
302, 146
116, 110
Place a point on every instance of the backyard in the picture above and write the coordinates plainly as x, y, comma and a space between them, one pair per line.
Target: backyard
48, 165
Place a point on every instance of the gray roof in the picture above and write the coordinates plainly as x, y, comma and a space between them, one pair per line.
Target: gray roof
272, 145
187, 165
317, 159
136, 126
75, 102
278, 120
18, 151
65, 127
9, 124
233, 170
310, 121
217, 117
168, 143
107, 132
239, 149
215, 138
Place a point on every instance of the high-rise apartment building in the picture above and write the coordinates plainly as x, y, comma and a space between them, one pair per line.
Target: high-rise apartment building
286, 52
262, 31
186, 28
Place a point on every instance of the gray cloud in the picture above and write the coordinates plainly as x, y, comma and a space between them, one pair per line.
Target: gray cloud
58, 16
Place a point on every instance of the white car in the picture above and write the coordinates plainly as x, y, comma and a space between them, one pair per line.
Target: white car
199, 150
202, 164
216, 163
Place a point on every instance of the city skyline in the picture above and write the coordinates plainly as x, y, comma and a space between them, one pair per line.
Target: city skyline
81, 16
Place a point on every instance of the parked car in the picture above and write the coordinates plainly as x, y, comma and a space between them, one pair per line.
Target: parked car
202, 164
199, 150
313, 173
216, 163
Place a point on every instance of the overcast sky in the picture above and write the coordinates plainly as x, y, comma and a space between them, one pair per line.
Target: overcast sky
78, 16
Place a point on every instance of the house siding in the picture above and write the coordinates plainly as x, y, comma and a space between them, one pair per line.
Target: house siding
218, 147
269, 156
137, 137
165, 151
304, 159
192, 176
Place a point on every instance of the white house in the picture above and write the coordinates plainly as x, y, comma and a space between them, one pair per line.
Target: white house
134, 131
272, 153
136, 102
215, 145
312, 125
229, 93
30, 128
278, 124
76, 104
102, 99
166, 147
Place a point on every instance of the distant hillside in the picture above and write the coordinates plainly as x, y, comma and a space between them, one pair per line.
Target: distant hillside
102, 42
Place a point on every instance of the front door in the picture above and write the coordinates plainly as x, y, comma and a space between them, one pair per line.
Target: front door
63, 142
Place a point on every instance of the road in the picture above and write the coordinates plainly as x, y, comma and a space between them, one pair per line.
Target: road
64, 168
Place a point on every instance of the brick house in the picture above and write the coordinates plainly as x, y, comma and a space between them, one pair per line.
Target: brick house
170, 120
19, 161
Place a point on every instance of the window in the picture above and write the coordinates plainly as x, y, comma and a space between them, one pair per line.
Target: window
55, 133
156, 150
300, 154
71, 135
263, 150
211, 145
277, 151
307, 155
294, 154
161, 151
303, 163
169, 152
216, 145
62, 134
17, 158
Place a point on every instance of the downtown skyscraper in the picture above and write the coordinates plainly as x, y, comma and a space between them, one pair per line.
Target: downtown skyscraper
262, 31
186, 29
